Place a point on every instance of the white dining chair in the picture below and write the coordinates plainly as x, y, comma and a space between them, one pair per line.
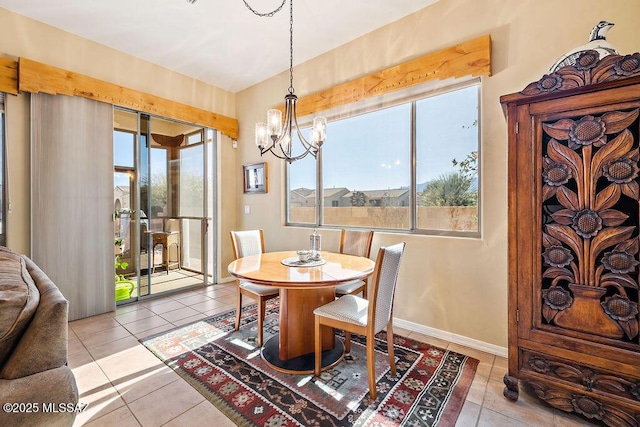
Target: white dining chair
354, 314
245, 243
358, 243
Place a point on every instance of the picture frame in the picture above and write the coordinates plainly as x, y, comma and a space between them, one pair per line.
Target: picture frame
255, 178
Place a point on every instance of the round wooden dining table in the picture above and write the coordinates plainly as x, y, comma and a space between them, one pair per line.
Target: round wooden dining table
303, 288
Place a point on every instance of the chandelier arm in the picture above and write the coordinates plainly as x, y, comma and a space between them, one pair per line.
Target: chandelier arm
282, 155
267, 147
267, 14
291, 121
288, 159
289, 110
303, 140
301, 156
277, 149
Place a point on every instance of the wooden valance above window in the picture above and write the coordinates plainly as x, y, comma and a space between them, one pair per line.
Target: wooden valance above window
471, 58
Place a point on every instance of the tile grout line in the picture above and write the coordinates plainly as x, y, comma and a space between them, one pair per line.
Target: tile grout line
112, 315
126, 404
226, 306
178, 379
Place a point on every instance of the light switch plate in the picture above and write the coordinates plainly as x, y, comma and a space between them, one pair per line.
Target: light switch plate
247, 209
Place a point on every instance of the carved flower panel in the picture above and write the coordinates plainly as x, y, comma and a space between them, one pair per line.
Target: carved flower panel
589, 407
587, 70
589, 379
590, 210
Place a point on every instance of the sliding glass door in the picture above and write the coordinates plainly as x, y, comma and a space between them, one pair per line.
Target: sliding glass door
191, 203
168, 204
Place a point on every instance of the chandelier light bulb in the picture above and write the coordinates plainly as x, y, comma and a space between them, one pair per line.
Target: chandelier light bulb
285, 144
274, 122
319, 131
262, 135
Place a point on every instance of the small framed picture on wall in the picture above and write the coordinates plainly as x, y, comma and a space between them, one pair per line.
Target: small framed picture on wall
255, 178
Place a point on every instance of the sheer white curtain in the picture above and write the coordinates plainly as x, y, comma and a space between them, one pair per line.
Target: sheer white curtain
72, 199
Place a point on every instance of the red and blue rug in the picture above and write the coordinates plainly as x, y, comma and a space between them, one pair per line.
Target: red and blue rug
225, 366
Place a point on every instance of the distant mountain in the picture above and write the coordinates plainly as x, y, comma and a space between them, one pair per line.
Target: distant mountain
307, 192
472, 187
474, 184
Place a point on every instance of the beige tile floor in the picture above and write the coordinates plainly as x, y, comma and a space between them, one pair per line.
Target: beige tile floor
125, 385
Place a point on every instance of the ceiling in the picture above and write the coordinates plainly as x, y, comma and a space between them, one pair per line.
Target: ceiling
220, 42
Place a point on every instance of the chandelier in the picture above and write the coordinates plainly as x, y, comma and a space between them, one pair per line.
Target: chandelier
276, 135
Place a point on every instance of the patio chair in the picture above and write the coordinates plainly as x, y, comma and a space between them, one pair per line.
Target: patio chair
355, 243
247, 243
357, 315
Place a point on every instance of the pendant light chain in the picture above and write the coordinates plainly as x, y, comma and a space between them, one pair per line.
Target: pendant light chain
267, 14
277, 136
272, 136
291, 90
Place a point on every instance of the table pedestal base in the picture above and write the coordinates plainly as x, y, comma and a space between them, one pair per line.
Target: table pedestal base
301, 364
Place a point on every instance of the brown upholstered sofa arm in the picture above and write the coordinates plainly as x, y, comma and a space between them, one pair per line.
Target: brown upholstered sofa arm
43, 345
55, 388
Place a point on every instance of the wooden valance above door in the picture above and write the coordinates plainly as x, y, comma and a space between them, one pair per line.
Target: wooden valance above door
31, 76
8, 76
35, 77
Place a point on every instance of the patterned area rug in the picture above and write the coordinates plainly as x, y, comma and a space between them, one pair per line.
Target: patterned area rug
225, 366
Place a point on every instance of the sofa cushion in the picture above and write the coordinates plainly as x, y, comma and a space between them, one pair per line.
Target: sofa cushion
19, 299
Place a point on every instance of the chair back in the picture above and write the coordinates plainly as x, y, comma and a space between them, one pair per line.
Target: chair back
357, 243
245, 243
384, 285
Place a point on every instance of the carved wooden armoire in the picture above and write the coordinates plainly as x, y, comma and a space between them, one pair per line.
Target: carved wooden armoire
574, 210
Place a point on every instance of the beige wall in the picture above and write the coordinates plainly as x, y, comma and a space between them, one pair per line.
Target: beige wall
23, 37
18, 176
455, 285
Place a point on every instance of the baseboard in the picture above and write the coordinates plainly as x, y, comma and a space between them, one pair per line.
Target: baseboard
436, 333
451, 337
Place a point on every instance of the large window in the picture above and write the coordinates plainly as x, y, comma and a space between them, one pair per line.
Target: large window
411, 166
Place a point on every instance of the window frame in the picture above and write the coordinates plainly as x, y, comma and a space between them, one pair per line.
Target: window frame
409, 95
187, 137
